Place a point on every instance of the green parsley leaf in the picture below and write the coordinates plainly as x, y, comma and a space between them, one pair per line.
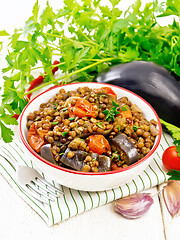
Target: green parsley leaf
174, 174
114, 2
35, 10
6, 133
8, 120
4, 33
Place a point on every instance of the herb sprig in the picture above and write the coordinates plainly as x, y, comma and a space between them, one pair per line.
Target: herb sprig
112, 113
174, 174
97, 36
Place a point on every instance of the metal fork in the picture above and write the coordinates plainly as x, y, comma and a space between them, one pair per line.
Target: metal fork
32, 182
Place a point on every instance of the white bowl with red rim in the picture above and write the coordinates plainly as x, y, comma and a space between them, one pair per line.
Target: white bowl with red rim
88, 181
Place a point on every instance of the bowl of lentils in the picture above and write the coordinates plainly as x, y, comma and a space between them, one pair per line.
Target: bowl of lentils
90, 136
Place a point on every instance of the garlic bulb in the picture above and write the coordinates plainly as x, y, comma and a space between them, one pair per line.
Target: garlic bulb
134, 206
171, 194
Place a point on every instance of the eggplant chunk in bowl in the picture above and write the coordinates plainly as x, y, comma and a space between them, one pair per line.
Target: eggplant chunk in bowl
90, 136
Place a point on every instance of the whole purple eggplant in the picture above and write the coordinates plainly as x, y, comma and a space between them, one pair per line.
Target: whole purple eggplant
150, 81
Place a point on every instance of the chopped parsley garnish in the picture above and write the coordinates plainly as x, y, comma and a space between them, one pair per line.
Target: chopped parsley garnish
99, 124
64, 133
65, 109
119, 128
135, 128
113, 156
71, 119
54, 123
55, 104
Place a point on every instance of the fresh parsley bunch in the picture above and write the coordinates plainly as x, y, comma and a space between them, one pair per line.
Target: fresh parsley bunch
86, 38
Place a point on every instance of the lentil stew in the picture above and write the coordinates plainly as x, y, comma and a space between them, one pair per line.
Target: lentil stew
91, 130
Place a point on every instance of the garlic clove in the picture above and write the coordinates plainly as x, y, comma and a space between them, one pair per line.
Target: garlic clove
134, 206
171, 194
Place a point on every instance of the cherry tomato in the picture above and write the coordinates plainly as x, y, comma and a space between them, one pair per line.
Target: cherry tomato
115, 167
170, 158
107, 90
36, 138
42, 132
82, 108
126, 112
98, 144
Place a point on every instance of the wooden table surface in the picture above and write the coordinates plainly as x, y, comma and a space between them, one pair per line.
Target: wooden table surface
19, 221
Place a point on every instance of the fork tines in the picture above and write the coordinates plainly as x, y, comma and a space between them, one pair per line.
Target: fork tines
41, 181
43, 190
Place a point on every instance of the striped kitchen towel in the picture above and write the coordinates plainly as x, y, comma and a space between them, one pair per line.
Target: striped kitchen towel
74, 202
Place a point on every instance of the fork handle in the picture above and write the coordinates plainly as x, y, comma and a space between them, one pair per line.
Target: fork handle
11, 160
